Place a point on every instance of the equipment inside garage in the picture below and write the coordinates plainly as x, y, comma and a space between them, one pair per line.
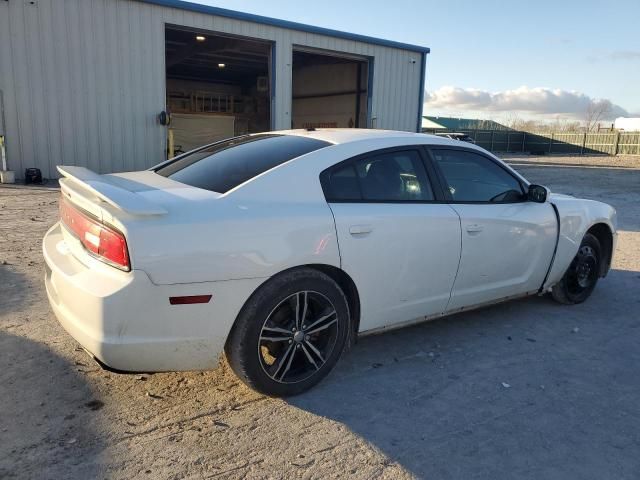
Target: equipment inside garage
217, 87
329, 91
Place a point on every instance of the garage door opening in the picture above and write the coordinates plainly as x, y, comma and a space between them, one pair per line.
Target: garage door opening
217, 87
329, 91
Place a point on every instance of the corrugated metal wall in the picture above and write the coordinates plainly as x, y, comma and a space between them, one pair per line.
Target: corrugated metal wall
84, 80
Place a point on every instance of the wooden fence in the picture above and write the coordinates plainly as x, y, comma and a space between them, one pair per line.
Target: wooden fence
513, 141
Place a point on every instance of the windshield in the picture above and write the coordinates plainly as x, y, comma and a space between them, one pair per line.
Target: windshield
225, 165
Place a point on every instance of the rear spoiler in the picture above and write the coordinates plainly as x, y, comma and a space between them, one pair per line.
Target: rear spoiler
87, 184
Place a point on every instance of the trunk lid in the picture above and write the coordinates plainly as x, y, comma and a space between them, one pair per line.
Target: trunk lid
130, 194
127, 202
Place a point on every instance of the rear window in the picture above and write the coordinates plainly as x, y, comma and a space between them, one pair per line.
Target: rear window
225, 165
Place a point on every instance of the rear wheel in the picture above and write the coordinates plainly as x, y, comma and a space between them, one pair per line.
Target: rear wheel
582, 275
290, 333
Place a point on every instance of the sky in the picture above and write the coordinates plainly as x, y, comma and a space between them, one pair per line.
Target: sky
533, 60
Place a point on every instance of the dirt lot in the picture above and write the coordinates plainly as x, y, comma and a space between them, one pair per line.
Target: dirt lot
527, 389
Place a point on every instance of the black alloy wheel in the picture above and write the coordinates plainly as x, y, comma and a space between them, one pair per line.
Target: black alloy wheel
290, 333
297, 337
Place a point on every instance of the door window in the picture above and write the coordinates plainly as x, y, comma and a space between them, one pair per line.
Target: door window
388, 177
470, 177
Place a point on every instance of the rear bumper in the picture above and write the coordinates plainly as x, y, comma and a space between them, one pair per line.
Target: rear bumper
126, 321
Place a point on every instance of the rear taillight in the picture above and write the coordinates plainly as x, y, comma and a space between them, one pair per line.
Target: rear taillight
103, 242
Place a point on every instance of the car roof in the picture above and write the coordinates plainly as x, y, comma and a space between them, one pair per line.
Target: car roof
348, 135
338, 136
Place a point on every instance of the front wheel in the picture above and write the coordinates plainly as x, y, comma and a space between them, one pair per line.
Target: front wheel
582, 275
290, 333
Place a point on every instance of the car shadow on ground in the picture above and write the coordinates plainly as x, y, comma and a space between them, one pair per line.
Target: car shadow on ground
17, 290
525, 389
48, 414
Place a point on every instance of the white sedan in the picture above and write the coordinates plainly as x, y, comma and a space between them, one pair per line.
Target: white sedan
281, 248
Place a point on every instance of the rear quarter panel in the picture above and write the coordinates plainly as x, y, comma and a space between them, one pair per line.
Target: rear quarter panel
229, 239
275, 221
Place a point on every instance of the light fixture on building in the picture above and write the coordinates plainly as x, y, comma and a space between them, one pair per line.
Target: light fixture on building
200, 38
222, 65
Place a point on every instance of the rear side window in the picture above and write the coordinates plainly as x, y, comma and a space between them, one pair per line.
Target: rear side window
225, 165
470, 177
342, 184
395, 176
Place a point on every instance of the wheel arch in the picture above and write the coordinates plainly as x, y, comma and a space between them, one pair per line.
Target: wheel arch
348, 286
603, 233
344, 281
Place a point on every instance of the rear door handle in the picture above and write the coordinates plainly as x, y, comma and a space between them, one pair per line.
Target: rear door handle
474, 228
360, 229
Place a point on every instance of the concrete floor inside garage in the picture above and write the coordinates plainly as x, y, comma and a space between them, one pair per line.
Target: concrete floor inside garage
526, 389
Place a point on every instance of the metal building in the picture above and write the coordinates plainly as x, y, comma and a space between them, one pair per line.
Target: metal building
83, 82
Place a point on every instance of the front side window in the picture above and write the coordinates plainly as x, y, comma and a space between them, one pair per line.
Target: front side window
470, 177
225, 165
386, 177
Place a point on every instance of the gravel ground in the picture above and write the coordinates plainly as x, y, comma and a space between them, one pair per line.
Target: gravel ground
526, 389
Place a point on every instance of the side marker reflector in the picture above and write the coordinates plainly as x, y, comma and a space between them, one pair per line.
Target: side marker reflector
190, 299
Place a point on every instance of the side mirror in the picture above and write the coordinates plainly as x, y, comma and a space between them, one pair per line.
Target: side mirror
537, 193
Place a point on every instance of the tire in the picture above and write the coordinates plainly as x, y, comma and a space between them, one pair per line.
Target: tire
273, 354
582, 275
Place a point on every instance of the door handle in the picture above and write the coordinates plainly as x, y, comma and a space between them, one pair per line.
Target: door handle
360, 229
474, 228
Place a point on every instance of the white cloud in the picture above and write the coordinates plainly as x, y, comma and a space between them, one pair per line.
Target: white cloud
533, 101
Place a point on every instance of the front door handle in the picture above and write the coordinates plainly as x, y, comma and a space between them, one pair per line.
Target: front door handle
360, 229
474, 228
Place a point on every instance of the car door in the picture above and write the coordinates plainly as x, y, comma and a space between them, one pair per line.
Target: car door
397, 243
507, 241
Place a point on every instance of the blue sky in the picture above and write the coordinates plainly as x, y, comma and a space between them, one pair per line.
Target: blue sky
563, 52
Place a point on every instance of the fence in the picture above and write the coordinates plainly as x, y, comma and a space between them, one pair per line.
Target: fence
513, 141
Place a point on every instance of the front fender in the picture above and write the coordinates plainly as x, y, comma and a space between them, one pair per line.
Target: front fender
576, 217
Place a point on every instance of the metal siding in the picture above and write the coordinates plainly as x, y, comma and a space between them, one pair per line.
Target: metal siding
397, 108
112, 77
6, 70
76, 69
61, 124
104, 86
22, 120
371, 69
138, 85
159, 138
283, 24
95, 83
50, 87
406, 81
7, 75
381, 89
126, 71
421, 85
22, 84
150, 117
36, 83
83, 81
